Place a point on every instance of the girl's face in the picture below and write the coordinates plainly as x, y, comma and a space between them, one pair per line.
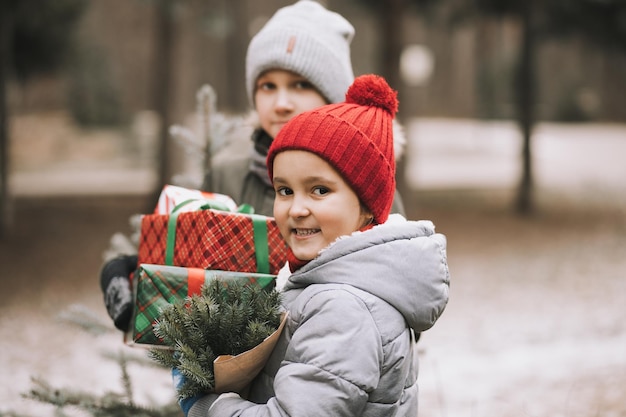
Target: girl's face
313, 205
280, 95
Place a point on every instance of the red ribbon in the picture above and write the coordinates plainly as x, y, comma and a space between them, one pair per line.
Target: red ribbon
195, 279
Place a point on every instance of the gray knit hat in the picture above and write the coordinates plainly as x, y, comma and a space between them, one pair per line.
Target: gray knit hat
309, 40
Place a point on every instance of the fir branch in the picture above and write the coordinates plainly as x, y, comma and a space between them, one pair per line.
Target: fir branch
212, 131
11, 414
130, 356
109, 405
227, 318
126, 382
81, 316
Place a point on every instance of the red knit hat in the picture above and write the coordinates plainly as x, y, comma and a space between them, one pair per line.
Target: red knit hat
355, 137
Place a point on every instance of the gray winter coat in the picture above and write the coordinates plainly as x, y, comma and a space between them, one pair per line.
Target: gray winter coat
231, 175
348, 347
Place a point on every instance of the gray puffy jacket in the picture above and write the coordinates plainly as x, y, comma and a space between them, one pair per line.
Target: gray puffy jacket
348, 346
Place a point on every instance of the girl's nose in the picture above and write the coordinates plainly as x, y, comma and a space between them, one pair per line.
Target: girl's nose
298, 208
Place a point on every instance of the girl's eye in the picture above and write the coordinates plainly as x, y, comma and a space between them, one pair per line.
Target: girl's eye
320, 191
284, 191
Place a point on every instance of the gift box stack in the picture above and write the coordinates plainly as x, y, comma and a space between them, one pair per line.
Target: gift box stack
191, 237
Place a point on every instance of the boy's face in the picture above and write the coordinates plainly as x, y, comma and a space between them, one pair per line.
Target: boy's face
280, 95
314, 205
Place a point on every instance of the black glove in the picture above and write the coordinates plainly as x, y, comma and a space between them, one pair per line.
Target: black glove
115, 284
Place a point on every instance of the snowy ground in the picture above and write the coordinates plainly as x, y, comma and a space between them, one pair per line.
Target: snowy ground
535, 325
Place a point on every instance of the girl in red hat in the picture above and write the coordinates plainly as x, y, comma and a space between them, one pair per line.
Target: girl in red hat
359, 284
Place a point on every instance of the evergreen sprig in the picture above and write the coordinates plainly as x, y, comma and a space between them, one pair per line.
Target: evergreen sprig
109, 404
227, 318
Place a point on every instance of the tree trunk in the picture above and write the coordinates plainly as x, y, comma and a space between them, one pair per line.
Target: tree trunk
525, 90
163, 47
391, 15
5, 67
237, 100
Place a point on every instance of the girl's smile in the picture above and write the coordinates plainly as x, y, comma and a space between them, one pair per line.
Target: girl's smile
303, 233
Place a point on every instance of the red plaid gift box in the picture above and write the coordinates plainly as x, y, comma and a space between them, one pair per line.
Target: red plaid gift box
213, 239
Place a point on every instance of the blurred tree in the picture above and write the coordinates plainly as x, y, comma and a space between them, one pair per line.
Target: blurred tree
43, 34
525, 12
35, 38
164, 32
600, 21
93, 96
390, 16
237, 40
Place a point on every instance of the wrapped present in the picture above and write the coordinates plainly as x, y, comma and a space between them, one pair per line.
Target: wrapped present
185, 199
156, 286
213, 239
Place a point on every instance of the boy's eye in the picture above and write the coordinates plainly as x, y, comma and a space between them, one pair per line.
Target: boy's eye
266, 86
304, 85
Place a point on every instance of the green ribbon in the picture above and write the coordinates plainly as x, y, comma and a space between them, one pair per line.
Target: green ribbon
259, 228
261, 247
171, 225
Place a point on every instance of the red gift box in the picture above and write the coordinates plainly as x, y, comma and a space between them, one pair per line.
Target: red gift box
213, 239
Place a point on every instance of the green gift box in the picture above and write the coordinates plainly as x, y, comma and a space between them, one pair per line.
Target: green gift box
156, 286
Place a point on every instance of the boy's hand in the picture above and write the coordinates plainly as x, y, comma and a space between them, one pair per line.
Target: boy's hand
115, 284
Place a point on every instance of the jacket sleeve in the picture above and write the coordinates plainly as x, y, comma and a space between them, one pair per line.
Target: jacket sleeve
331, 364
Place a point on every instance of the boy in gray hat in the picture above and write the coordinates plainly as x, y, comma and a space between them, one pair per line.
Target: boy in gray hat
309, 46
298, 61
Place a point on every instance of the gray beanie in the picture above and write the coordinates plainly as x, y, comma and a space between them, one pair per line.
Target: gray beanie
309, 40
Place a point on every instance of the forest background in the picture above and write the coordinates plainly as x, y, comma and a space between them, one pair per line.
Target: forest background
516, 118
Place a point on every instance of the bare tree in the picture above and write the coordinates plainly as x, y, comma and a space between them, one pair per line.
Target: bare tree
600, 22
390, 21
164, 32
35, 38
526, 105
5, 60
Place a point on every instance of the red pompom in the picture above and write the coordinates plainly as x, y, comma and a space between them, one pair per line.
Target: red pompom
373, 90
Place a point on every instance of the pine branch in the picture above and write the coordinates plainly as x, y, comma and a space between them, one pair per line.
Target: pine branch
227, 318
11, 414
130, 356
109, 405
79, 315
126, 383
